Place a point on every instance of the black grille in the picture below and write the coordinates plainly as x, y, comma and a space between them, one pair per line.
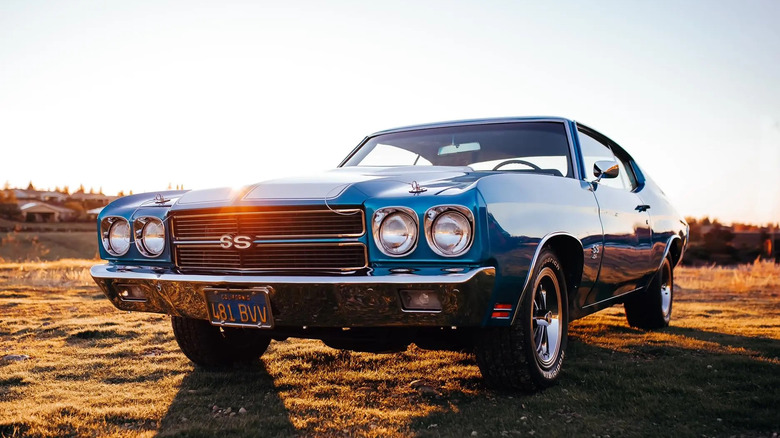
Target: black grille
270, 224
313, 257
197, 241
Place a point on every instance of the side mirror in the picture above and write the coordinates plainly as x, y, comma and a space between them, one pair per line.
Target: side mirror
605, 169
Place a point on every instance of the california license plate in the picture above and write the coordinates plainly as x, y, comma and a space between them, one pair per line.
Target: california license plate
239, 307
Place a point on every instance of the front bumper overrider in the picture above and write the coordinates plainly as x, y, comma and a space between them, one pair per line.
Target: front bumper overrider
313, 301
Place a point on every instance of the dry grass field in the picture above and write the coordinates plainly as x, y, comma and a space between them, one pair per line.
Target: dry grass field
72, 365
51, 245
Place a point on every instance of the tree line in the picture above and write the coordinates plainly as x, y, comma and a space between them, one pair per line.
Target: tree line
713, 242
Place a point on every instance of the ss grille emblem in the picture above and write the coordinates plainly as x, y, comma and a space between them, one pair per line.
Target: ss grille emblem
228, 241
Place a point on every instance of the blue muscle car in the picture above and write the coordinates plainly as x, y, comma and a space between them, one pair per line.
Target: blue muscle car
488, 235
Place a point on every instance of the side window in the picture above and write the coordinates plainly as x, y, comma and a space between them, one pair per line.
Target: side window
626, 172
594, 150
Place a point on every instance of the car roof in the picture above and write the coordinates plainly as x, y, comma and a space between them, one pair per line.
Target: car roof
473, 122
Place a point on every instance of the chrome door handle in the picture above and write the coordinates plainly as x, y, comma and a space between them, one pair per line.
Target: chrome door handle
641, 208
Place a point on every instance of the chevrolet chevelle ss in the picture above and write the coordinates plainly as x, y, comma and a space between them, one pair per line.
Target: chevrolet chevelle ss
488, 235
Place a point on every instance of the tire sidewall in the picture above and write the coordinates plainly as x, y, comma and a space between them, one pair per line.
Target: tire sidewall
545, 376
668, 316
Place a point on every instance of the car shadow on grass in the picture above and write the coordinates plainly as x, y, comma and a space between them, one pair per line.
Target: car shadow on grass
633, 387
616, 382
759, 346
236, 402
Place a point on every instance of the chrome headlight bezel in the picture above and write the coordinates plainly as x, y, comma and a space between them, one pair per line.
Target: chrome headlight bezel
141, 226
433, 214
109, 224
380, 219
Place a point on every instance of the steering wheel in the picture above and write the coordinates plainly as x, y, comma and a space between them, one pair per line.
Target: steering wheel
504, 163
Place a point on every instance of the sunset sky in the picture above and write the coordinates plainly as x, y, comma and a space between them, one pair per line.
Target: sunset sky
136, 95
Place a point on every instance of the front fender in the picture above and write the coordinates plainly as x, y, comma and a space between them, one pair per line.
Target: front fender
524, 212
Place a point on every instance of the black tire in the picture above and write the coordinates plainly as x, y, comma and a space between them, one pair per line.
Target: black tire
652, 308
519, 357
211, 347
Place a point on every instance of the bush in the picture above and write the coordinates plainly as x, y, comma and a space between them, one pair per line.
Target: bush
10, 211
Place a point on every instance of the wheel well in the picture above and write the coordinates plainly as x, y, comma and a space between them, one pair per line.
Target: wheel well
570, 254
675, 251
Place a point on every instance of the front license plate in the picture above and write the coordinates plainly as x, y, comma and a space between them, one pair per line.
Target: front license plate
240, 307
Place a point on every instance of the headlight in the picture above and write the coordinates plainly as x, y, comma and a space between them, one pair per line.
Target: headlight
449, 230
115, 234
395, 230
149, 236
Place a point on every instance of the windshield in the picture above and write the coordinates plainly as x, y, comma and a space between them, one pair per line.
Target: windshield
540, 147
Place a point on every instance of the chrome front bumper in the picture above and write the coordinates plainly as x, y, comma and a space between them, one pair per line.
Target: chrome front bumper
321, 301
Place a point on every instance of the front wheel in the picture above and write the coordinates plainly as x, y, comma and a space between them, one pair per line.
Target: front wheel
652, 308
528, 355
210, 346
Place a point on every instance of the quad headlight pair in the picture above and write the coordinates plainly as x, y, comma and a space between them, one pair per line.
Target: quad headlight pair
449, 230
149, 234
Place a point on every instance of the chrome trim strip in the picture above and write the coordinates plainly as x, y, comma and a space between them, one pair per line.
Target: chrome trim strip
612, 298
139, 273
343, 211
259, 242
420, 311
200, 242
575, 159
180, 241
215, 245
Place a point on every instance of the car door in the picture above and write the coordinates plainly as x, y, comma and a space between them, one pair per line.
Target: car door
625, 221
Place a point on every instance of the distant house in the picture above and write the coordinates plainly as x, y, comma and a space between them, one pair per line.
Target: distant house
95, 199
56, 197
42, 212
24, 196
92, 198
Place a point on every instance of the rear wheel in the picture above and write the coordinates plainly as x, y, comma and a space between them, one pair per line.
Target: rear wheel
529, 354
211, 346
652, 308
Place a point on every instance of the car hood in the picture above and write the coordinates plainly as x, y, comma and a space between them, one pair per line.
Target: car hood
344, 186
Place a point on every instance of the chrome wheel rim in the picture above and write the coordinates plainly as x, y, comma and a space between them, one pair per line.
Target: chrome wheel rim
546, 318
666, 289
